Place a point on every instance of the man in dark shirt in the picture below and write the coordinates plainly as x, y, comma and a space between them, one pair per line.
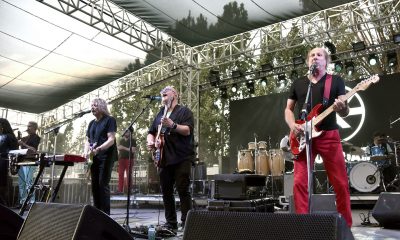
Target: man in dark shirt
123, 162
328, 144
25, 173
101, 145
177, 153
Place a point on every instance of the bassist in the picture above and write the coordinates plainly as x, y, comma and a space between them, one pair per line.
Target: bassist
172, 134
328, 144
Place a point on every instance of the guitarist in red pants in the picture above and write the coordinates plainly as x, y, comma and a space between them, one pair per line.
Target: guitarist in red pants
171, 138
327, 144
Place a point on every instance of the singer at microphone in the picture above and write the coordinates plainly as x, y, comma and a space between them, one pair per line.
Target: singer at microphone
157, 98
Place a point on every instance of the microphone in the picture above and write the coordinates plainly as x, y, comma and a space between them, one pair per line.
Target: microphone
15, 129
80, 114
157, 98
313, 68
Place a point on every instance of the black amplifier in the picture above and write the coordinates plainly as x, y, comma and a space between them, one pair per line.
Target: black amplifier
238, 186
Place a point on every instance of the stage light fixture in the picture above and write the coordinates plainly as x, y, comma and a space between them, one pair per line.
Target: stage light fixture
294, 75
250, 86
214, 78
349, 68
358, 46
338, 66
372, 59
234, 88
223, 92
299, 60
391, 58
267, 67
396, 38
263, 81
281, 79
237, 74
331, 47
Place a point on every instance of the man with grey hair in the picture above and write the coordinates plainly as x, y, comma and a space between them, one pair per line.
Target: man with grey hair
25, 173
102, 147
176, 147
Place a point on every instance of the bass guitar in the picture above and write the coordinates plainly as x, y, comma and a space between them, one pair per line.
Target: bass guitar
298, 142
158, 153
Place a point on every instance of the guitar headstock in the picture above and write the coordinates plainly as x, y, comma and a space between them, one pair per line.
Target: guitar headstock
363, 85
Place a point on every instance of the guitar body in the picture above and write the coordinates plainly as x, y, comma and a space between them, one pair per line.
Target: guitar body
298, 143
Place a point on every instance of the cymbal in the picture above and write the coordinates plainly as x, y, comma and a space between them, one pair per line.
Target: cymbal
346, 146
354, 150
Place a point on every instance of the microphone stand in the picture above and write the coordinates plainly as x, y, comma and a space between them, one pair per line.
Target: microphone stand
130, 130
308, 133
56, 130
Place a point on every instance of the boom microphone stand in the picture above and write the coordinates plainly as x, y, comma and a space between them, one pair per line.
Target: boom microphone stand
308, 133
130, 129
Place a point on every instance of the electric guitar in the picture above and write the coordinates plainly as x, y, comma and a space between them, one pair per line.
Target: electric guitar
298, 142
158, 153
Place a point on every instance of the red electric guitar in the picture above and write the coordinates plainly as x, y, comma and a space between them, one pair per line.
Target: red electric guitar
298, 143
158, 153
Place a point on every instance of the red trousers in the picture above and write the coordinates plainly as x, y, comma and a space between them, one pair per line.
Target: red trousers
328, 146
123, 168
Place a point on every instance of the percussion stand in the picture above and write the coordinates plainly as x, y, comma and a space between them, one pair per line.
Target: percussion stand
397, 178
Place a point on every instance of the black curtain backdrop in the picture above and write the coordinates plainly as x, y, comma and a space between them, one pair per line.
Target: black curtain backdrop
263, 117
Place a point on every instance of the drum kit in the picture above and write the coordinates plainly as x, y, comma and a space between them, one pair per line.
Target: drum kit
377, 169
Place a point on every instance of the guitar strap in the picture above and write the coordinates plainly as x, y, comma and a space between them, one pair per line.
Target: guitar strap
327, 90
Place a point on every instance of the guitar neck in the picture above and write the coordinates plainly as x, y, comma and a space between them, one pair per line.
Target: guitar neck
327, 111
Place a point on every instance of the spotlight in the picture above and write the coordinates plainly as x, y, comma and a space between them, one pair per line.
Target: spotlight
349, 68
294, 75
223, 92
372, 59
298, 61
396, 38
267, 67
263, 81
250, 86
331, 47
338, 66
213, 77
281, 79
234, 88
391, 58
358, 46
237, 74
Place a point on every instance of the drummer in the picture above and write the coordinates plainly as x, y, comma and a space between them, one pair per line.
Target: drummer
380, 146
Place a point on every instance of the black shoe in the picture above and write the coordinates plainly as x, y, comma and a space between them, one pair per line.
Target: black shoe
170, 227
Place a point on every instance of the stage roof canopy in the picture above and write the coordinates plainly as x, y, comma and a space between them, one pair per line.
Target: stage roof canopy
48, 58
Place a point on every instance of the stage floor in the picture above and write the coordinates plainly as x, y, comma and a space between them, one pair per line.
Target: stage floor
150, 212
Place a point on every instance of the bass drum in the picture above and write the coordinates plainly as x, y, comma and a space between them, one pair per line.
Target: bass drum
364, 177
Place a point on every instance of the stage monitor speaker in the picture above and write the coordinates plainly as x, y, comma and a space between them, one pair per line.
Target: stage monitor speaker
221, 225
387, 210
10, 223
49, 221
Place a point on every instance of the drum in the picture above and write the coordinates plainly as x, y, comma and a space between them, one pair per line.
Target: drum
364, 177
377, 153
262, 145
262, 166
252, 145
245, 160
276, 162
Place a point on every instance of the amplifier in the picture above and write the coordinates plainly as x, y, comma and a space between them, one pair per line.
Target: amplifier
238, 186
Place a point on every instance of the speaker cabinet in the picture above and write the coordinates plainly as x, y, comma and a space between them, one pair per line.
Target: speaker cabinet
387, 210
64, 221
255, 225
10, 223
